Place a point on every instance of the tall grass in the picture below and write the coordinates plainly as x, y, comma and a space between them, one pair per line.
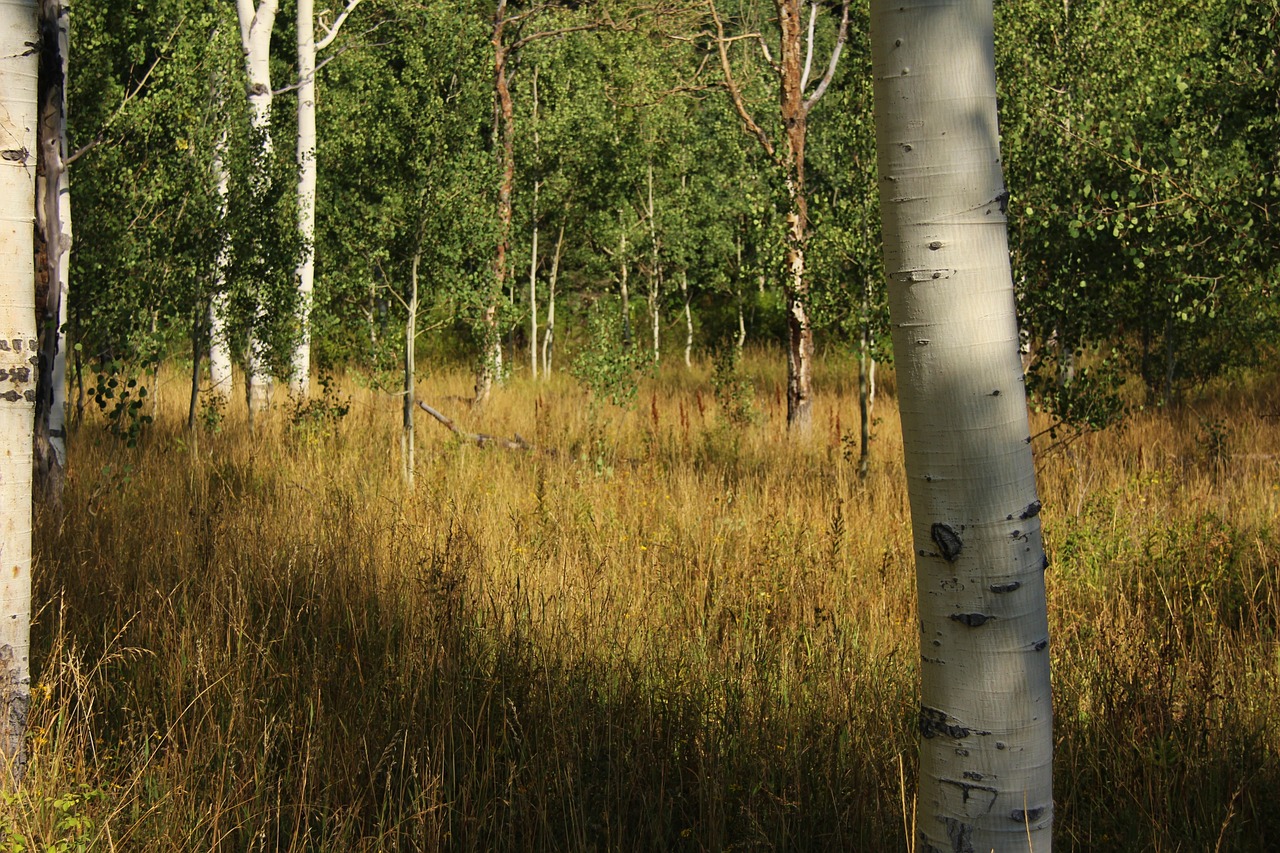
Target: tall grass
658, 631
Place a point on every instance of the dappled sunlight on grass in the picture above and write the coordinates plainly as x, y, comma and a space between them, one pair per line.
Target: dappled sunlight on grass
657, 630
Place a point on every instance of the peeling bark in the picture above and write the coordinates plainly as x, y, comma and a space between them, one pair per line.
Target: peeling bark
53, 219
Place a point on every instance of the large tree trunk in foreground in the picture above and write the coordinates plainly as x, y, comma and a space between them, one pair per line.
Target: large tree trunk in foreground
986, 712
18, 358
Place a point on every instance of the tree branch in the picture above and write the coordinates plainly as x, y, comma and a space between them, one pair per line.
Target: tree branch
842, 35
808, 55
100, 137
735, 93
479, 439
332, 32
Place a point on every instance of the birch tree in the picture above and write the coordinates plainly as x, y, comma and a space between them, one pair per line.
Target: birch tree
986, 736
308, 48
18, 118
792, 68
53, 220
256, 23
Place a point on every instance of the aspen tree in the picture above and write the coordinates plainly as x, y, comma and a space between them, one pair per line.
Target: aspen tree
18, 359
308, 47
53, 220
986, 737
256, 22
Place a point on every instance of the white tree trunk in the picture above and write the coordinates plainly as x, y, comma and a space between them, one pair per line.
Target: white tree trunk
408, 440
533, 280
53, 219
255, 38
623, 286
308, 47
655, 274
688, 319
986, 710
548, 337
300, 375
221, 383
18, 117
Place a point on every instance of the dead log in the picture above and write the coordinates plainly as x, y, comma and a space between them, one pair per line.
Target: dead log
479, 439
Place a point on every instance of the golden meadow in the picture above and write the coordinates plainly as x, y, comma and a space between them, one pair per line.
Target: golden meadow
659, 630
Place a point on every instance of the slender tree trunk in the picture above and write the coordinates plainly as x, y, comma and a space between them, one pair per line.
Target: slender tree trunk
490, 369
533, 253
548, 337
533, 290
19, 113
221, 381
198, 322
871, 390
739, 298
255, 38
53, 218
864, 389
794, 107
742, 328
795, 121
655, 273
688, 319
300, 376
622, 282
986, 711
407, 438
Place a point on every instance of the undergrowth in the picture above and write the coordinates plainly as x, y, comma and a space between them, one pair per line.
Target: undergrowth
698, 636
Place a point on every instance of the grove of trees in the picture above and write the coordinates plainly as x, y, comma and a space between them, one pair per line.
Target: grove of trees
294, 187
1139, 143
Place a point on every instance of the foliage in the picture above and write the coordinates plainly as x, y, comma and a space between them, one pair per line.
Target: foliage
609, 368
733, 391
320, 414
121, 398
1138, 142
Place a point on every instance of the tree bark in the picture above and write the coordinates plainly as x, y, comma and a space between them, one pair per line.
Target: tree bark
655, 274
533, 291
300, 375
864, 390
19, 113
623, 273
407, 438
986, 710
792, 68
688, 319
255, 38
53, 218
490, 368
221, 382
548, 337
308, 47
795, 122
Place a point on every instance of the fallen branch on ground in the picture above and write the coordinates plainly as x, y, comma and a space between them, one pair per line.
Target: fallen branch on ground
477, 438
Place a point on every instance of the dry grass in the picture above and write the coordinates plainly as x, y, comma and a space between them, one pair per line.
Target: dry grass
658, 632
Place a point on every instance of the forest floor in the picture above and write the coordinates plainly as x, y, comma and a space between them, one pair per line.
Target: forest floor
658, 630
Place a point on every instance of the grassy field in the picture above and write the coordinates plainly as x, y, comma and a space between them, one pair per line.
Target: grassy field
658, 631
